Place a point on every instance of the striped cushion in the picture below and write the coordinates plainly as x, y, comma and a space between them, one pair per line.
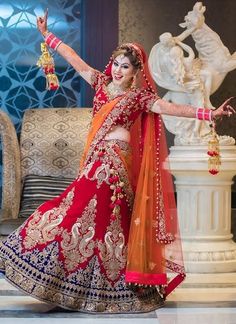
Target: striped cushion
38, 189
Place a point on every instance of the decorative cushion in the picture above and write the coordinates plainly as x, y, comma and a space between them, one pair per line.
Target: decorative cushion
38, 189
52, 141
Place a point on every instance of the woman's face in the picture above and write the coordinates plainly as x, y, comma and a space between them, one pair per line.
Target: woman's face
122, 71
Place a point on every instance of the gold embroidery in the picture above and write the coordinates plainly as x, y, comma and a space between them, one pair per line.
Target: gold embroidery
42, 228
78, 245
152, 265
110, 159
124, 104
87, 289
101, 174
113, 251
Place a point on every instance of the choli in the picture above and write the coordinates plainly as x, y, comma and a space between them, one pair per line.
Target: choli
132, 103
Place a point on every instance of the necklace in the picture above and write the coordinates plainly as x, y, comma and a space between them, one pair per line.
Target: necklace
115, 91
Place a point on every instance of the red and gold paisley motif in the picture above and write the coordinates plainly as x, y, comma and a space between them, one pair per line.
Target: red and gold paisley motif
78, 244
113, 250
43, 228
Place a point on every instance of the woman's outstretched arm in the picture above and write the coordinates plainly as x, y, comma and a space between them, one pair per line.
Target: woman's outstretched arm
66, 51
162, 106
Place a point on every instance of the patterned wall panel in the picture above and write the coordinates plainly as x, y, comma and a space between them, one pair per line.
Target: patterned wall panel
22, 84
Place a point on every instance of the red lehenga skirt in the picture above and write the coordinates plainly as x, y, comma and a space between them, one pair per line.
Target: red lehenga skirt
72, 250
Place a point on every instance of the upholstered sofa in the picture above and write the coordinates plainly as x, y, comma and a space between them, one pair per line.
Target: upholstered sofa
42, 162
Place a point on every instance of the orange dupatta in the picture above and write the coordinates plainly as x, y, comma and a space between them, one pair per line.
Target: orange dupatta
154, 241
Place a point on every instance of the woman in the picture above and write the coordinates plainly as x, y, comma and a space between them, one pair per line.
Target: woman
107, 242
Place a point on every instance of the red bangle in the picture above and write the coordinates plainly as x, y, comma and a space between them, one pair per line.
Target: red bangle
48, 38
200, 114
204, 114
52, 41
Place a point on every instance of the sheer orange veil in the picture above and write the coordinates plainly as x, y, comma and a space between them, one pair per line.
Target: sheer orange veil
154, 246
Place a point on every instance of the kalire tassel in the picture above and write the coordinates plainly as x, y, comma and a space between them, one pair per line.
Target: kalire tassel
47, 63
214, 160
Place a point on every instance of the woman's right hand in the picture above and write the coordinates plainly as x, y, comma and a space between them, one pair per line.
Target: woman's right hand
224, 110
42, 23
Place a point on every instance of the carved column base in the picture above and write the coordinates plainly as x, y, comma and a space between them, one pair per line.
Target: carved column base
210, 257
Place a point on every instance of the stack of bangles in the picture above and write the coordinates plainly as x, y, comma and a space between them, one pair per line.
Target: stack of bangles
51, 40
204, 114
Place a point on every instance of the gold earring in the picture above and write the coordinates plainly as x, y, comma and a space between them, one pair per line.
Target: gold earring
134, 82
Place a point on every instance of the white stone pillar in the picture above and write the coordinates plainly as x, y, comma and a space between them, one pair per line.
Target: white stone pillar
204, 208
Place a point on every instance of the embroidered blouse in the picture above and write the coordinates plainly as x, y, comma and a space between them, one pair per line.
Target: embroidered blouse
136, 100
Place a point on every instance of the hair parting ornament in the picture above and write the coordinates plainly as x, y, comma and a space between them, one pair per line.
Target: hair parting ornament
138, 51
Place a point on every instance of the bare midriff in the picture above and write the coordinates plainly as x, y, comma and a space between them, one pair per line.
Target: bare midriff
118, 133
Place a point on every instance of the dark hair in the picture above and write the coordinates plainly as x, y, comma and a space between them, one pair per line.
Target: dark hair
129, 52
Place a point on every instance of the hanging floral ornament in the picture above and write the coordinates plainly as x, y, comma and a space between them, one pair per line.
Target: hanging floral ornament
46, 62
214, 160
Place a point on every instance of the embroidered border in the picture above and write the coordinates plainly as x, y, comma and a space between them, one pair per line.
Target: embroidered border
85, 290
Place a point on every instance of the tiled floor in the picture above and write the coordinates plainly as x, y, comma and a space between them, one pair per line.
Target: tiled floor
195, 306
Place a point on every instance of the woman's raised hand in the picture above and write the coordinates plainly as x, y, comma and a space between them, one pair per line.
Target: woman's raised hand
42, 23
224, 110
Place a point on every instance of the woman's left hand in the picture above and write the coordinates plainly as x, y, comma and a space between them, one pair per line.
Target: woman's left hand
224, 110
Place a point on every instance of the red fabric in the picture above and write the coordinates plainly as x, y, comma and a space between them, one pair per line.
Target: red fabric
82, 190
145, 278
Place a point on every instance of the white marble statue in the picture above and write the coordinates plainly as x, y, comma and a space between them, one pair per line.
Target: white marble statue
191, 80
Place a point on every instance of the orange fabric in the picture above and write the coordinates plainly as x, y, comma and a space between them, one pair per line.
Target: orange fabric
154, 245
142, 258
97, 122
136, 148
